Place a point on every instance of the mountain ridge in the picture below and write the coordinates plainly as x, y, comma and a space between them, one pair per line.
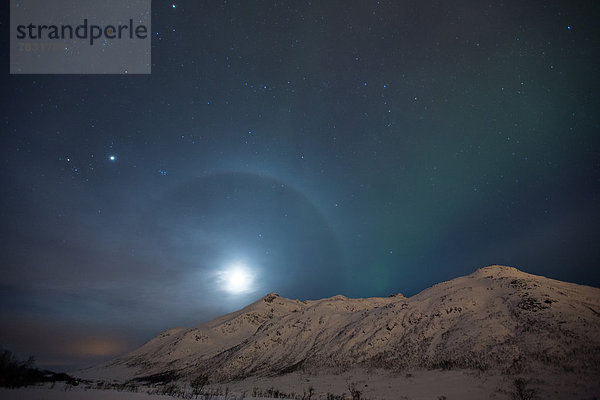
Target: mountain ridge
494, 318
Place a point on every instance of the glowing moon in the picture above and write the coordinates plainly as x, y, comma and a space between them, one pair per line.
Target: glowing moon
237, 279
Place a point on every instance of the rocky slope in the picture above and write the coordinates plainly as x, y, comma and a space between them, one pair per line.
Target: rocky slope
495, 318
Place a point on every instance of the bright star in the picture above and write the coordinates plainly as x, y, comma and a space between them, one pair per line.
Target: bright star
112, 158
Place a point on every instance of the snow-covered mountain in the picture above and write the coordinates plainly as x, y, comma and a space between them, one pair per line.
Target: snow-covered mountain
496, 318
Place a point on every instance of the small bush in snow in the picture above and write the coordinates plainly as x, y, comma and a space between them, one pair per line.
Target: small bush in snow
198, 384
354, 392
522, 391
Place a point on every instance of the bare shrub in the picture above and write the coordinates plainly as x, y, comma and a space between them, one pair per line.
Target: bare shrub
308, 395
170, 390
522, 391
354, 392
198, 384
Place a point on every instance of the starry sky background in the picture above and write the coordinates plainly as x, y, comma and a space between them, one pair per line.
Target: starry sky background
361, 148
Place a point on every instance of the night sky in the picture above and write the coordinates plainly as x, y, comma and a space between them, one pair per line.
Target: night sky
361, 148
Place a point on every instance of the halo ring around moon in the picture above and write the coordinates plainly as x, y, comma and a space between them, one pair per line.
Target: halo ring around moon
227, 217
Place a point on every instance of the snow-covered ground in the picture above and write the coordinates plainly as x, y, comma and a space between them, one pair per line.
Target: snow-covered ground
373, 385
45, 393
425, 384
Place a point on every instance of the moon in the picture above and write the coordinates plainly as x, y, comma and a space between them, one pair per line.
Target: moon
237, 279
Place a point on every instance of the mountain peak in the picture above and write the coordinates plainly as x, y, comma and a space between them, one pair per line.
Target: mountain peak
498, 270
337, 297
498, 267
270, 297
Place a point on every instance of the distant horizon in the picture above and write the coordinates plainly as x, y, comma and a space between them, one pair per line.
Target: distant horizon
92, 362
76, 367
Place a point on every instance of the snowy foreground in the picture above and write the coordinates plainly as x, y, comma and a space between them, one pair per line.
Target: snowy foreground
418, 384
